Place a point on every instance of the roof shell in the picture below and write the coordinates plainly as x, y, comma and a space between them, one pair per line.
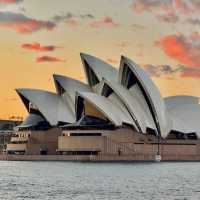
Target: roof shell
31, 120
173, 101
112, 112
152, 93
186, 118
131, 103
51, 106
99, 68
70, 86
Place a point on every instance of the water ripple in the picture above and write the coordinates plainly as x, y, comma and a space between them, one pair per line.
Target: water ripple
91, 181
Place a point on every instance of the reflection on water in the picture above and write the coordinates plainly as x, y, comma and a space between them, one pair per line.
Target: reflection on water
74, 180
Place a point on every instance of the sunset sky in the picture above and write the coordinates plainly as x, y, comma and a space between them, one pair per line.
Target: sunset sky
41, 37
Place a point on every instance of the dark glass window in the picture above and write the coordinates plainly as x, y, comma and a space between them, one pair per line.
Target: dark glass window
85, 134
59, 88
80, 153
92, 78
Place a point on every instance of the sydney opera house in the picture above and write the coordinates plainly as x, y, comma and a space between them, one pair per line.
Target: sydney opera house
118, 115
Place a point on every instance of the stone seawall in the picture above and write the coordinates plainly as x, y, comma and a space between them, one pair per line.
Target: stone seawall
103, 158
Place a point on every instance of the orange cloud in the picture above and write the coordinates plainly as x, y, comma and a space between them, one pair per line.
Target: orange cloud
104, 22
23, 24
48, 59
37, 47
182, 48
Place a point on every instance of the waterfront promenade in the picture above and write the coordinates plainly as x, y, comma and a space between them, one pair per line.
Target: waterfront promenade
99, 158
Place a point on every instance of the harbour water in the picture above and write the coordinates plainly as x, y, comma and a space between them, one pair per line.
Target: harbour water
90, 181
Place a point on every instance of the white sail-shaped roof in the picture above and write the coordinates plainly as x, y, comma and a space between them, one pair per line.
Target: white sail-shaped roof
173, 101
67, 87
96, 69
131, 104
103, 105
182, 119
140, 84
31, 120
186, 118
50, 105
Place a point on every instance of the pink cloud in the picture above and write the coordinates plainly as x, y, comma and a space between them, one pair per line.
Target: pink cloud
22, 24
48, 59
104, 22
38, 47
166, 10
10, 1
184, 6
140, 6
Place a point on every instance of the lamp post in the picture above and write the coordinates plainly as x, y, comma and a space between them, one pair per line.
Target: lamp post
158, 156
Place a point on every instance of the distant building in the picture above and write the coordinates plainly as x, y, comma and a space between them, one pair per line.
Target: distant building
6, 131
8, 124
